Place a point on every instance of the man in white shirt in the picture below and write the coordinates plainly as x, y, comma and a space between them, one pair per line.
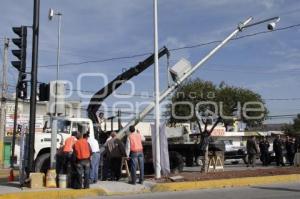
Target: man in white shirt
95, 159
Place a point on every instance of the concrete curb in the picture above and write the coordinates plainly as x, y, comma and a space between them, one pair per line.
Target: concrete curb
54, 194
160, 187
234, 182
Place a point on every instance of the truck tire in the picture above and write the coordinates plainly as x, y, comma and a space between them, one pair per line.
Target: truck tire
176, 162
42, 163
189, 161
199, 161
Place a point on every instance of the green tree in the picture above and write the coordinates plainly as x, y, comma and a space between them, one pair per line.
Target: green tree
296, 124
293, 129
229, 103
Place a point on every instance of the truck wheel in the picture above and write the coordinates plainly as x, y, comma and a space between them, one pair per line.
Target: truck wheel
189, 161
176, 162
42, 163
199, 161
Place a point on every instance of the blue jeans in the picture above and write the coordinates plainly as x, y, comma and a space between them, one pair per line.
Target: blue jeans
95, 160
136, 159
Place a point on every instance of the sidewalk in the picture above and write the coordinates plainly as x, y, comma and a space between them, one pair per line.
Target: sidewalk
12, 191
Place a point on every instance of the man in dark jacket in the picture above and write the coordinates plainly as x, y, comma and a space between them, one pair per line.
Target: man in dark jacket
264, 151
252, 150
297, 144
115, 151
278, 147
290, 149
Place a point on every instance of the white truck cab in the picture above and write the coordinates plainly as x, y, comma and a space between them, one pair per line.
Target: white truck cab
65, 126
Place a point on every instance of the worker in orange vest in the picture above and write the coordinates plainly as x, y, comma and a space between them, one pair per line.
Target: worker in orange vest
134, 150
82, 151
68, 152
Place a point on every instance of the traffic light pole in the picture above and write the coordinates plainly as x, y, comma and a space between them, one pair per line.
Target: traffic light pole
35, 45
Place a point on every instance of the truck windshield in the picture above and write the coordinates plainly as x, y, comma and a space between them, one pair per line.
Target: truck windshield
80, 127
63, 126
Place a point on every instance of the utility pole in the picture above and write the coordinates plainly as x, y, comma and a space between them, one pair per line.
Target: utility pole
34, 71
157, 95
3, 100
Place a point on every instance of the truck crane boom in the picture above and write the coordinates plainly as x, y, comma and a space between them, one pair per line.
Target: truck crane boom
99, 96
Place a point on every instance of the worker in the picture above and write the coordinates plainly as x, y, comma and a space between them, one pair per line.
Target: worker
278, 147
252, 151
297, 144
134, 151
105, 169
290, 149
115, 151
82, 151
95, 159
264, 151
68, 152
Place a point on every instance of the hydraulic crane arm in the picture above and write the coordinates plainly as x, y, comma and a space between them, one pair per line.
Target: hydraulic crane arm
99, 97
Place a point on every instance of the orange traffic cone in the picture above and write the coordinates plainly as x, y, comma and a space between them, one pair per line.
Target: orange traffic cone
11, 176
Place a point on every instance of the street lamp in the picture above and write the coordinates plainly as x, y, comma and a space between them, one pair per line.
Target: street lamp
51, 14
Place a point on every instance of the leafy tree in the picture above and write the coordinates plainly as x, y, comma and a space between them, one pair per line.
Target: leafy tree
224, 102
296, 125
293, 129
288, 129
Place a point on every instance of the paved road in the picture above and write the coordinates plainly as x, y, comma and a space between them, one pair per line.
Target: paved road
280, 191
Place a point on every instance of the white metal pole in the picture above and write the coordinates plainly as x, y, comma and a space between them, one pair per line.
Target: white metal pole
54, 124
53, 143
57, 59
157, 95
58, 46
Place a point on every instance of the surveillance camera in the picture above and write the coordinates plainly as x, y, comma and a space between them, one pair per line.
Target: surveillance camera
51, 14
271, 26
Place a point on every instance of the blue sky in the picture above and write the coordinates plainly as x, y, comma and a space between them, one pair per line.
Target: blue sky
100, 29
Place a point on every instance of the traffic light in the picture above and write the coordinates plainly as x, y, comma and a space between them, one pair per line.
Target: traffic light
44, 92
22, 87
19, 129
20, 53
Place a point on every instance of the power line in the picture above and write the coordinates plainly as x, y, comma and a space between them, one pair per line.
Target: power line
282, 116
283, 99
151, 95
173, 49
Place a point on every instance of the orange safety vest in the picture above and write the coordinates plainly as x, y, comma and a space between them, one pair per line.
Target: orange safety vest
135, 142
82, 149
69, 143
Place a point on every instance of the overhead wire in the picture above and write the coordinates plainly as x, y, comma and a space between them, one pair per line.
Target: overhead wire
172, 49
